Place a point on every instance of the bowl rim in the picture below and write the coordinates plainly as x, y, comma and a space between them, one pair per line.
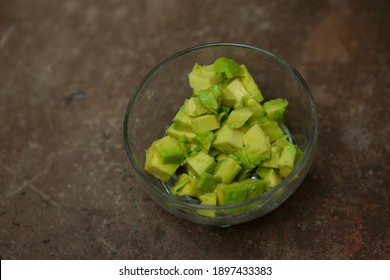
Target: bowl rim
307, 153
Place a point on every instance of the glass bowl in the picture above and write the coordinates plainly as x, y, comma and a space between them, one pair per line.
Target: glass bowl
160, 94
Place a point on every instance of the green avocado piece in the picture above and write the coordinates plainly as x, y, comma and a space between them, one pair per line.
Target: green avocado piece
228, 140
234, 93
206, 182
210, 98
200, 163
169, 150
238, 117
242, 157
204, 141
287, 159
194, 108
250, 84
182, 120
255, 107
202, 77
155, 166
273, 161
179, 132
185, 185
205, 123
271, 128
231, 193
227, 66
208, 199
226, 170
275, 108
257, 145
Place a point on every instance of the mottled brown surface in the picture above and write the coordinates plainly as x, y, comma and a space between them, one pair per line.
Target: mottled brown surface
67, 70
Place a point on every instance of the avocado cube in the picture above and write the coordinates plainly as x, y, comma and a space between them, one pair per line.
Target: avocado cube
250, 84
275, 108
273, 161
204, 141
244, 174
179, 132
238, 117
182, 120
227, 66
202, 77
155, 166
271, 179
210, 98
206, 182
234, 93
231, 193
242, 157
169, 150
255, 107
226, 170
287, 159
205, 123
271, 128
257, 145
193, 107
255, 187
208, 199
200, 163
185, 185
228, 140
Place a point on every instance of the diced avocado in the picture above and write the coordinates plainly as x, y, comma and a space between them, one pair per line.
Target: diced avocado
242, 157
226, 170
210, 98
228, 140
204, 141
208, 199
202, 77
231, 193
273, 161
250, 84
275, 108
193, 107
234, 93
238, 117
169, 150
271, 128
257, 145
287, 159
281, 143
269, 176
182, 120
200, 163
244, 174
255, 187
206, 182
205, 123
227, 66
255, 106
177, 133
185, 185
155, 166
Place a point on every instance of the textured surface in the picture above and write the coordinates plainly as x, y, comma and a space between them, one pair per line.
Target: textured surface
67, 70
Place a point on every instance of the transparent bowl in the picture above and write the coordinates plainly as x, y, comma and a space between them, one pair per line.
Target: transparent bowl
158, 97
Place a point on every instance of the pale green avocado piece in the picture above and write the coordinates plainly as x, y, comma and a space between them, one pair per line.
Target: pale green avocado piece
228, 140
204, 141
250, 84
205, 123
287, 159
185, 185
169, 150
155, 166
234, 93
208, 199
244, 174
255, 187
226, 170
257, 145
271, 128
200, 163
281, 143
256, 108
193, 107
206, 182
275, 108
238, 117
270, 176
210, 98
273, 161
231, 193
202, 77
178, 133
182, 120
227, 66
242, 157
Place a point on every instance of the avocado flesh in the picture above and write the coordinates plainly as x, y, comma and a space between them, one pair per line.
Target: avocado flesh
226, 170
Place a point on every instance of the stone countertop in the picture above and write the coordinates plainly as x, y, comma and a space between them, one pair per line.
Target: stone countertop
67, 70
